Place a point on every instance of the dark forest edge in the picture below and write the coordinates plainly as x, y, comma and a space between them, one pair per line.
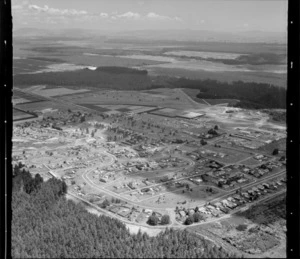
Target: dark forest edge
251, 95
249, 59
46, 224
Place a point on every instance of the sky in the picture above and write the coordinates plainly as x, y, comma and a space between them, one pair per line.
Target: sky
212, 15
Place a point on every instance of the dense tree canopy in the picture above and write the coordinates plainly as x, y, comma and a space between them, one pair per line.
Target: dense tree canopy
46, 225
251, 95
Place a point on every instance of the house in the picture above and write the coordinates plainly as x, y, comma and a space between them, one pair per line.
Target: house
210, 207
224, 210
124, 212
182, 213
246, 170
231, 205
191, 212
245, 195
224, 202
230, 199
259, 156
148, 211
261, 187
257, 175
215, 213
203, 210
114, 209
237, 197
250, 192
218, 205
239, 202
266, 185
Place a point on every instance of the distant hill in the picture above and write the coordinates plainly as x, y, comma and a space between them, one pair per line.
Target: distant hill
158, 35
204, 35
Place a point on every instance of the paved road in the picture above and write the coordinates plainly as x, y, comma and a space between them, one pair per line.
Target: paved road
196, 104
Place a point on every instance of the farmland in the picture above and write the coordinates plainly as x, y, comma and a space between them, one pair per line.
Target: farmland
22, 115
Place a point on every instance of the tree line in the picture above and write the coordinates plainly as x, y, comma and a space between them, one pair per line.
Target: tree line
251, 95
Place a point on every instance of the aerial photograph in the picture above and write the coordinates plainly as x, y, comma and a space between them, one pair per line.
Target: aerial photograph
149, 129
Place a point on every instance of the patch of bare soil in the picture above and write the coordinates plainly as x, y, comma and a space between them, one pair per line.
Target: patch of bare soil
258, 232
134, 229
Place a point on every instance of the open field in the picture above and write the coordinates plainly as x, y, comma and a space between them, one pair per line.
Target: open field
167, 98
251, 162
28, 97
59, 91
42, 106
225, 155
221, 101
28, 65
280, 144
19, 115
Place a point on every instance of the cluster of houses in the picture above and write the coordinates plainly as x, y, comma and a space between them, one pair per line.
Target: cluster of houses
210, 153
261, 157
135, 138
215, 209
264, 168
123, 153
226, 177
131, 213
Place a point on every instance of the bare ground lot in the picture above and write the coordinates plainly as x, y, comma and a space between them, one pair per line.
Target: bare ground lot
253, 233
230, 156
252, 162
228, 102
269, 148
188, 199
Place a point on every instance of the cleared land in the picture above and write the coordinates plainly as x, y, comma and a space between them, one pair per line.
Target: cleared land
19, 115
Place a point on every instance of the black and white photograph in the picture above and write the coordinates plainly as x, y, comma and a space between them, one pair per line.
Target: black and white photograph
149, 128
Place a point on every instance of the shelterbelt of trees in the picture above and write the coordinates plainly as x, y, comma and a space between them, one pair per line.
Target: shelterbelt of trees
120, 78
46, 225
251, 95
